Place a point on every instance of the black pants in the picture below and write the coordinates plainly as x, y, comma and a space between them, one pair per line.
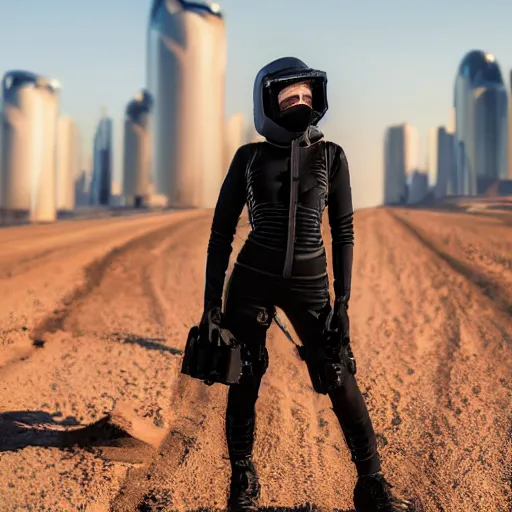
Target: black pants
250, 305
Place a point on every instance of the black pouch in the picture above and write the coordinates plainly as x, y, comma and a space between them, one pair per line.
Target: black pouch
329, 363
212, 360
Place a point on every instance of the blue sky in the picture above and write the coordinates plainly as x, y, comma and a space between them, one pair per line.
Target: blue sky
387, 61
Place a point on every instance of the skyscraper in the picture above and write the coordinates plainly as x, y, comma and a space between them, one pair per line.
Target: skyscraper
445, 163
236, 136
67, 163
401, 155
186, 76
491, 133
480, 101
136, 161
418, 187
510, 128
433, 156
30, 111
101, 183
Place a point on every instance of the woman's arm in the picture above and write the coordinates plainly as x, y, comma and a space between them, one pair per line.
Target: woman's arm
341, 220
229, 207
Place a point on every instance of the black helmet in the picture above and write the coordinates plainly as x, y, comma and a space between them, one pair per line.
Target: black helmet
270, 81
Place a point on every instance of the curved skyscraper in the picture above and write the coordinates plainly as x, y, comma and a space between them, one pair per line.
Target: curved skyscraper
481, 118
136, 162
30, 111
186, 71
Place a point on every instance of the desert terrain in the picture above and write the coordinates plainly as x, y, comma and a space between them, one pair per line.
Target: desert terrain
95, 416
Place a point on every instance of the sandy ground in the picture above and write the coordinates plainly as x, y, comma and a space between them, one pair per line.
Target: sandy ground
95, 416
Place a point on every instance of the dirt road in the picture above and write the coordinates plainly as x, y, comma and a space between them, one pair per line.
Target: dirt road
93, 318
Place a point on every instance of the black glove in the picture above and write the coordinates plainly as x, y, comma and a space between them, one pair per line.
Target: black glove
338, 321
211, 315
210, 323
212, 327
338, 331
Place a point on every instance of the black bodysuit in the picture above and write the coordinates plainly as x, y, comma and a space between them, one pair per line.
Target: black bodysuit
283, 264
286, 191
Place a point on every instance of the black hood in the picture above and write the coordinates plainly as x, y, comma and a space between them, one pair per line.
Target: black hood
273, 77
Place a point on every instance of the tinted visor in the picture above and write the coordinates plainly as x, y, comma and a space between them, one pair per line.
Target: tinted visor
275, 83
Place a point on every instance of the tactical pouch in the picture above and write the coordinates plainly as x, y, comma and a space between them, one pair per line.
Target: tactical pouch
328, 364
212, 360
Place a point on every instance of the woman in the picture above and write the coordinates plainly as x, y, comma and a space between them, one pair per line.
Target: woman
286, 182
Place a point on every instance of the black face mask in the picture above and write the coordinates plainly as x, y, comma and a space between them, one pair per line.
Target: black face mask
296, 118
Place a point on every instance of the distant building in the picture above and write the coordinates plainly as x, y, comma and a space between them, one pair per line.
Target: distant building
81, 189
480, 101
116, 197
441, 162
30, 107
102, 164
252, 135
236, 136
446, 166
401, 155
491, 132
67, 163
137, 157
433, 156
418, 187
186, 65
510, 130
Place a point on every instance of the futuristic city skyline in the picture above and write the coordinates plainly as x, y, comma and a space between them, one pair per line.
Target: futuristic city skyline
470, 153
479, 93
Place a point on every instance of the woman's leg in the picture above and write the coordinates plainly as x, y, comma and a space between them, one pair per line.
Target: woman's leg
307, 308
248, 317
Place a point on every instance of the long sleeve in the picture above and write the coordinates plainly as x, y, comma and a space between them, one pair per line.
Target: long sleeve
341, 220
229, 207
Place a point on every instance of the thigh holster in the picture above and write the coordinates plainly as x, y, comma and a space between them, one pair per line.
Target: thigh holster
255, 360
328, 362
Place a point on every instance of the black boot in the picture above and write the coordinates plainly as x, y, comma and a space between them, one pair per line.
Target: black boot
245, 488
372, 494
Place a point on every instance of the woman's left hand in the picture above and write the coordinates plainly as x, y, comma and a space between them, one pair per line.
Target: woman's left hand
339, 320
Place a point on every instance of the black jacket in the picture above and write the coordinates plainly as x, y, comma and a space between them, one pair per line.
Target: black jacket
286, 190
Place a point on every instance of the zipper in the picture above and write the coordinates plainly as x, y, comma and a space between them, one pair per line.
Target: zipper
294, 187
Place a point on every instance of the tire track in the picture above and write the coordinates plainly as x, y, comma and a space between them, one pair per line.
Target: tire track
488, 287
452, 453
93, 277
60, 240
150, 288
476, 339
148, 488
94, 274
59, 228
